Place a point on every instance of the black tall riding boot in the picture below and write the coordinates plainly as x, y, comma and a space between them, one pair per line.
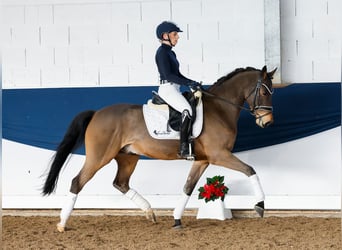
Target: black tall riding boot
186, 143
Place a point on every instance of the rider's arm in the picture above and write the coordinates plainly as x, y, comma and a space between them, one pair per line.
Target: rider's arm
168, 69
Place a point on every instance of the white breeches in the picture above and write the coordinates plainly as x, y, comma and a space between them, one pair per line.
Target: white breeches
171, 93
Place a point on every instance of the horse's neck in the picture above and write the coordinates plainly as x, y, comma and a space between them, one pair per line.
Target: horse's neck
232, 90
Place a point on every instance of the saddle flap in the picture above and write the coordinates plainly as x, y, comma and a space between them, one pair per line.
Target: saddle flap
156, 99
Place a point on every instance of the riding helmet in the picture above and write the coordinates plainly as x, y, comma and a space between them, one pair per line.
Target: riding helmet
166, 27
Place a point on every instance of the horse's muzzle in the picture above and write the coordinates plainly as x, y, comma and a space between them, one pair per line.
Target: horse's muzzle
263, 118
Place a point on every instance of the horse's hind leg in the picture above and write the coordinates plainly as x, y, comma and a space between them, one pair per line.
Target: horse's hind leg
86, 173
126, 165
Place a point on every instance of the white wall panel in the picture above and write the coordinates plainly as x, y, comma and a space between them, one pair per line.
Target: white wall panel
189, 52
149, 52
329, 70
39, 56
97, 13
98, 55
68, 14
25, 35
39, 14
54, 76
309, 8
61, 56
143, 74
128, 54
306, 48
75, 55
13, 15
81, 35
296, 28
142, 32
14, 57
126, 12
334, 8
114, 75
84, 76
205, 72
299, 69
155, 11
217, 52
25, 77
114, 34
187, 11
54, 35
203, 31
334, 49
315, 29
218, 10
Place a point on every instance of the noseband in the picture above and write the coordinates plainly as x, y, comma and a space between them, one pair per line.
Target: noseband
256, 92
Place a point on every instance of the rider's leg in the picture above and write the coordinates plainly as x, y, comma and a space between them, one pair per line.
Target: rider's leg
186, 144
171, 94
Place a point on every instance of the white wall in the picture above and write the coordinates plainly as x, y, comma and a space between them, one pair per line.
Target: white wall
302, 174
97, 43
311, 40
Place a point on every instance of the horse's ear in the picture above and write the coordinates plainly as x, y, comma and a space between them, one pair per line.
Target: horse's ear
264, 72
270, 74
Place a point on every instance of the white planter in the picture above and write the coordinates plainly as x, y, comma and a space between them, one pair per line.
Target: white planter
214, 210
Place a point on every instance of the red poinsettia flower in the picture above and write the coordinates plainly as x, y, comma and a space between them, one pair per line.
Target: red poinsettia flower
213, 189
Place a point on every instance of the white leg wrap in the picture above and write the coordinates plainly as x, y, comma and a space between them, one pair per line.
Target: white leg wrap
67, 208
259, 193
138, 199
179, 209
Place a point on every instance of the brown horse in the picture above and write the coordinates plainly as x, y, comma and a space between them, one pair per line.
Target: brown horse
119, 132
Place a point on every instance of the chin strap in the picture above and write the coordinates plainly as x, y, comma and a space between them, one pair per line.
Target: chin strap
168, 40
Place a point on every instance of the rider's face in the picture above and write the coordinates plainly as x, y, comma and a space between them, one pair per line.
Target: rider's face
173, 36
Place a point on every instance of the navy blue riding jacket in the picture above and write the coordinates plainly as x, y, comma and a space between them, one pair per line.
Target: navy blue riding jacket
168, 66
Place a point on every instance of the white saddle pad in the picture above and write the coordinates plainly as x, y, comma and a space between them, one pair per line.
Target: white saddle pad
156, 120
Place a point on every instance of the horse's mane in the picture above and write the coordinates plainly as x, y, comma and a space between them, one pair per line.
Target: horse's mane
232, 74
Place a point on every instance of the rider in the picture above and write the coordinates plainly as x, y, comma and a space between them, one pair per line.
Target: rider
171, 80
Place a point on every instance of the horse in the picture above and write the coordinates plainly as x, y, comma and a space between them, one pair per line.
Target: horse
119, 132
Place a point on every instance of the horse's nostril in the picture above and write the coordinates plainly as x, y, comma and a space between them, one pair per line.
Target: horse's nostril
268, 123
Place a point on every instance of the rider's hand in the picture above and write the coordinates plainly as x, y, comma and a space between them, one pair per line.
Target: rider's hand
196, 88
196, 85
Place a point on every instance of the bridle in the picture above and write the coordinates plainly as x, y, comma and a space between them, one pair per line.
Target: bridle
256, 92
257, 97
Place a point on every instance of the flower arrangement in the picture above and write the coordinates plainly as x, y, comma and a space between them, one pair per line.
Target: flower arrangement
213, 189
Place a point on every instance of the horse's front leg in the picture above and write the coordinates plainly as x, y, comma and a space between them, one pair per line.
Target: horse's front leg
228, 160
195, 174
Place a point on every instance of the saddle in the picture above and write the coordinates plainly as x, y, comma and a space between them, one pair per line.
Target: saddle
175, 117
164, 122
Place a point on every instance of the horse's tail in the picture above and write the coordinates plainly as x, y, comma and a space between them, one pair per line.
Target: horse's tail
73, 139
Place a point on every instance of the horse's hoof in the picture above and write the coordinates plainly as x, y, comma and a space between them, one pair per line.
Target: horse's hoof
151, 216
177, 225
60, 228
260, 208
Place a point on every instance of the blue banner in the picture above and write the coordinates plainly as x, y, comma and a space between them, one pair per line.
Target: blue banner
40, 117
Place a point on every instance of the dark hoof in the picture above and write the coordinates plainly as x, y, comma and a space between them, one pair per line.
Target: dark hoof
177, 225
260, 208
